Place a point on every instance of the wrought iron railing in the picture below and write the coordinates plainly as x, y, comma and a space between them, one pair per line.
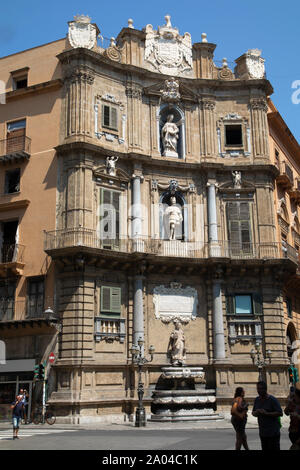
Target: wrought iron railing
12, 253
14, 145
66, 238
29, 308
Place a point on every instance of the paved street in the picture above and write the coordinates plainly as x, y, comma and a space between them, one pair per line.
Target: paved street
127, 437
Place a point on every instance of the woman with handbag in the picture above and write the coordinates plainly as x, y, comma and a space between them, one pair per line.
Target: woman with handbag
239, 418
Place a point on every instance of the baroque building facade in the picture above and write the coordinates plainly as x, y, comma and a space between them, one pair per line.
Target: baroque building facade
164, 188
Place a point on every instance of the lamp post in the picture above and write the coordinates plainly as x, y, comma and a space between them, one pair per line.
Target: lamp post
259, 360
139, 359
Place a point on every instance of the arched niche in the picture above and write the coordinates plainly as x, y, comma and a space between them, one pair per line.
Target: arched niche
181, 231
164, 111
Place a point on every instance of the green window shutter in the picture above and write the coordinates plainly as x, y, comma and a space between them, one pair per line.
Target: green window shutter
257, 304
110, 299
116, 299
114, 118
105, 299
230, 306
105, 116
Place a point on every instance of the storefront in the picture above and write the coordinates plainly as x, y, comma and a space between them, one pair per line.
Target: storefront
14, 376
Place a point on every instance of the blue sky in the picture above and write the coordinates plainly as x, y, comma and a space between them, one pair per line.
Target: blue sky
234, 25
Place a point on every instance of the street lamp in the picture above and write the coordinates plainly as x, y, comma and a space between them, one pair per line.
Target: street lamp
139, 359
259, 360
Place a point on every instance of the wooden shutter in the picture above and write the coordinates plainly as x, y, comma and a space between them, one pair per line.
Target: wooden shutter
239, 227
15, 136
109, 117
110, 300
110, 217
257, 304
113, 118
230, 305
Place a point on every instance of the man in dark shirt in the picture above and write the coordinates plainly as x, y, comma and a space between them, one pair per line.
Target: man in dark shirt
18, 408
267, 409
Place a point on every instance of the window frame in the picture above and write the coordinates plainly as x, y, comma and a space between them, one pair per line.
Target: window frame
110, 125
256, 304
111, 312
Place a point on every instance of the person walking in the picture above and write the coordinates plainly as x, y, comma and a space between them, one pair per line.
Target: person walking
239, 411
267, 410
18, 407
293, 411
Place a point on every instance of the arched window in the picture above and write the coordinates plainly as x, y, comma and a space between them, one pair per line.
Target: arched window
178, 119
181, 230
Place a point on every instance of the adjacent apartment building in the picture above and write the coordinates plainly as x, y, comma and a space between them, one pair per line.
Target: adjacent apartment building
142, 185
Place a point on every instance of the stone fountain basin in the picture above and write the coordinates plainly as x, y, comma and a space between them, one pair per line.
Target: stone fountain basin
162, 397
183, 372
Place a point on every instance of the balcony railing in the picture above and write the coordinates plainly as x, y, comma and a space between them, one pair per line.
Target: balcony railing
244, 329
12, 253
15, 145
285, 178
80, 237
26, 309
110, 329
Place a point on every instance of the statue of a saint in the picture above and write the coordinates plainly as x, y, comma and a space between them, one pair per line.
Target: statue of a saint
169, 134
174, 214
111, 165
176, 346
237, 179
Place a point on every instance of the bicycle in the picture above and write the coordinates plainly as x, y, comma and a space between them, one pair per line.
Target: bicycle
37, 416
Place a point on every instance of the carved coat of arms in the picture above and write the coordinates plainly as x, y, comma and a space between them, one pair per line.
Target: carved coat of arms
82, 33
255, 64
167, 51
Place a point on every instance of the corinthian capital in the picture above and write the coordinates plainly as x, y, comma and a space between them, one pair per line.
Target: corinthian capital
209, 104
259, 103
134, 91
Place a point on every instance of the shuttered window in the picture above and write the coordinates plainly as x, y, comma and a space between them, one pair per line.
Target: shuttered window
109, 217
110, 117
16, 132
239, 227
244, 304
110, 301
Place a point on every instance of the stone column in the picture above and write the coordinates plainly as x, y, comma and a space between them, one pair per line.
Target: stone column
79, 102
214, 247
259, 125
137, 177
138, 309
218, 325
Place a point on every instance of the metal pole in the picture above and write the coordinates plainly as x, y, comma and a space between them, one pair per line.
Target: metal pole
44, 402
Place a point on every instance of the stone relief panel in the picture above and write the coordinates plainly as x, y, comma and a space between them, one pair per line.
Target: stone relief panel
82, 33
175, 302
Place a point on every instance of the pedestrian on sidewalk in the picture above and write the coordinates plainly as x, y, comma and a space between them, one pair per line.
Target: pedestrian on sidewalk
293, 411
18, 407
267, 410
239, 411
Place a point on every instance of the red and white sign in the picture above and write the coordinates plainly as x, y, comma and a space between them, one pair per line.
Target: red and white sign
52, 358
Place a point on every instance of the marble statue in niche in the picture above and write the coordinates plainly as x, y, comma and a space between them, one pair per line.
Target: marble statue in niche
174, 216
170, 135
176, 346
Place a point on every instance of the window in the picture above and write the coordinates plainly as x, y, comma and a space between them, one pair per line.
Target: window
109, 217
16, 132
110, 117
9, 246
110, 301
12, 181
277, 161
244, 304
20, 78
35, 297
233, 135
7, 299
289, 309
239, 227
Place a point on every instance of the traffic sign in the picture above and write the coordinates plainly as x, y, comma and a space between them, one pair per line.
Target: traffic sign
52, 358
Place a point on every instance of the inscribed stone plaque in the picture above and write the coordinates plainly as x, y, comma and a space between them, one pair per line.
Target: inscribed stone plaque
175, 302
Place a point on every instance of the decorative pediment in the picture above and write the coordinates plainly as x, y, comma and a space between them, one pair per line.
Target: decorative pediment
171, 90
228, 187
120, 175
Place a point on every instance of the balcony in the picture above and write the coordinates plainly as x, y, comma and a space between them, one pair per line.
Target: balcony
12, 259
110, 329
244, 329
15, 149
294, 193
26, 309
63, 241
285, 178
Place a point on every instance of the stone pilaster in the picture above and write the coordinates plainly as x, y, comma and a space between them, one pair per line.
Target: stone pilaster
135, 117
259, 125
208, 120
79, 102
137, 178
